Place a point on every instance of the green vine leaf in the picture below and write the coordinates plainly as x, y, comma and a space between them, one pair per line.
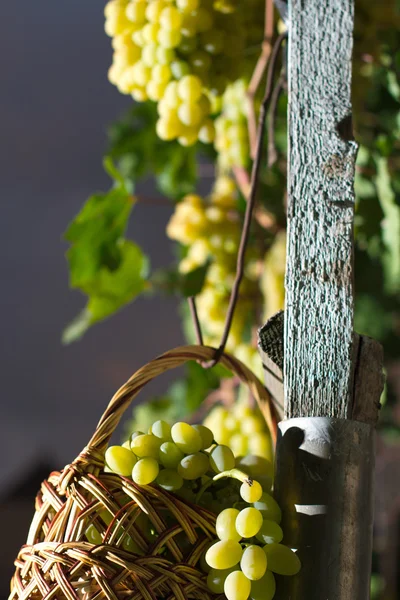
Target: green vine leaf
170, 281
106, 267
390, 226
139, 152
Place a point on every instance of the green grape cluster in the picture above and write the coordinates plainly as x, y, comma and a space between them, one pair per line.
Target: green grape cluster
168, 456
243, 429
186, 460
210, 228
181, 54
231, 132
249, 551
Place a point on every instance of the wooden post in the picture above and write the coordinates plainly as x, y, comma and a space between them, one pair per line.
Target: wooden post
332, 378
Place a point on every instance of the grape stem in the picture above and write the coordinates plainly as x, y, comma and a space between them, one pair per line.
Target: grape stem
230, 474
248, 215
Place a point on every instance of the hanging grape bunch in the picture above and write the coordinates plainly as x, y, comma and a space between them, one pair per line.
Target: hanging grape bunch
231, 130
185, 460
210, 228
181, 54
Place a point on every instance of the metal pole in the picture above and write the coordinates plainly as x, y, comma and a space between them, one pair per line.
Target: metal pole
324, 485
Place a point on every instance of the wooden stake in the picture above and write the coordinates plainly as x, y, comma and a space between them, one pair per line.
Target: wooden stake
322, 153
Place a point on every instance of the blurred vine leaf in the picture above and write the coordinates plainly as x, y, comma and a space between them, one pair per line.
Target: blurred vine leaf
109, 269
171, 281
139, 152
390, 226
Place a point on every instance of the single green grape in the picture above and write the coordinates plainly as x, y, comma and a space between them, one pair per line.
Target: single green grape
93, 535
186, 438
248, 522
225, 525
145, 471
146, 445
224, 554
281, 559
257, 467
269, 508
194, 466
169, 38
135, 434
169, 480
222, 459
207, 436
154, 10
264, 588
190, 114
270, 532
162, 430
253, 562
207, 132
187, 5
120, 460
170, 18
237, 586
169, 455
190, 88
130, 545
251, 492
216, 579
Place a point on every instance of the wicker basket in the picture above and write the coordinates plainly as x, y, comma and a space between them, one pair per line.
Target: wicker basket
58, 563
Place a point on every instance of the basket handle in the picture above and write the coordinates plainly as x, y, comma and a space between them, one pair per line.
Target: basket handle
171, 360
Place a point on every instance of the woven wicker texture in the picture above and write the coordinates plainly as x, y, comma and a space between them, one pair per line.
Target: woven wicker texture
149, 541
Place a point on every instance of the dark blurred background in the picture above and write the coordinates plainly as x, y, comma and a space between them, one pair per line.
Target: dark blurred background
55, 103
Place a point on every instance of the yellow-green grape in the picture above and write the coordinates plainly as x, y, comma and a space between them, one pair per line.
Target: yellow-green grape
207, 132
207, 436
222, 459
106, 516
145, 471
120, 460
169, 480
251, 492
224, 554
190, 88
135, 434
231, 139
249, 522
126, 444
187, 6
225, 525
257, 467
93, 535
270, 532
146, 445
237, 586
264, 588
162, 430
253, 562
216, 579
186, 438
130, 545
269, 508
282, 560
190, 114
194, 466
169, 455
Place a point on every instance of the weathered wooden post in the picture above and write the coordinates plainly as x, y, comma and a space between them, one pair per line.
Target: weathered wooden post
332, 378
